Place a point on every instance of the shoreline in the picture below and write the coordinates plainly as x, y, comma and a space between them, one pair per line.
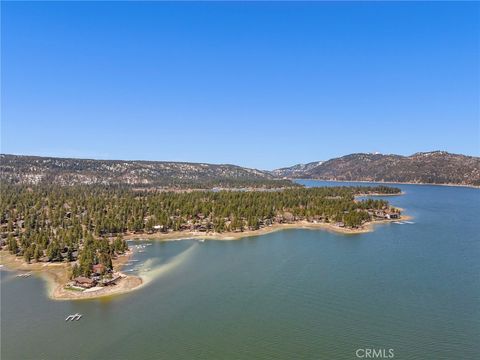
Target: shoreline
227, 236
56, 277
56, 274
379, 194
389, 182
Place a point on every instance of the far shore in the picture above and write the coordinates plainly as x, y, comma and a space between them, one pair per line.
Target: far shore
56, 274
387, 182
379, 194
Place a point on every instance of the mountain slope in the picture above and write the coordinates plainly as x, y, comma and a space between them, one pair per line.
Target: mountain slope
295, 170
62, 171
436, 167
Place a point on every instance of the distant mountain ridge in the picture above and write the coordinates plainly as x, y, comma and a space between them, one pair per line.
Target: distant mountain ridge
66, 171
435, 167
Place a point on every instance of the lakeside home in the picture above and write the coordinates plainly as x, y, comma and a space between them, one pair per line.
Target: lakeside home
388, 214
84, 282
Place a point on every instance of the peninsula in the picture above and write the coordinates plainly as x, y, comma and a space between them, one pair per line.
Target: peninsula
77, 234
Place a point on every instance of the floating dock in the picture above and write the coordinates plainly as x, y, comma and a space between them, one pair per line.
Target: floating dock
24, 275
73, 317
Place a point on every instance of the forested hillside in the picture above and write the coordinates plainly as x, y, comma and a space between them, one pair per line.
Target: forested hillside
16, 169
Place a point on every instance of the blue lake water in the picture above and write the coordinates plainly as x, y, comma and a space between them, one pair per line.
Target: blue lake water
303, 294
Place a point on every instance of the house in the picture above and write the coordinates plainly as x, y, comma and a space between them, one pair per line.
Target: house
98, 269
387, 214
288, 216
84, 282
392, 215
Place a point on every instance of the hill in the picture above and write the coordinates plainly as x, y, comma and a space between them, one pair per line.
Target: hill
15, 169
436, 167
296, 171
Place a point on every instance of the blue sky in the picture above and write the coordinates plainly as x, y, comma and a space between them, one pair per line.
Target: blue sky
256, 84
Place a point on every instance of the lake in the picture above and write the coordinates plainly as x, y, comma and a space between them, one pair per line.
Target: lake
303, 294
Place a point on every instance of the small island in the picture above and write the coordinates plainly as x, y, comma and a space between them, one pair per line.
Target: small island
77, 234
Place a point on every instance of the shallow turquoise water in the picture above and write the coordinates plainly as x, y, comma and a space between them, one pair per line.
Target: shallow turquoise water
413, 288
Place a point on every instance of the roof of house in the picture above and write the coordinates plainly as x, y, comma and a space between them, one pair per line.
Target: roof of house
98, 267
83, 280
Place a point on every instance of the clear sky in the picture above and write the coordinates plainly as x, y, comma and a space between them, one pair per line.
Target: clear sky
255, 84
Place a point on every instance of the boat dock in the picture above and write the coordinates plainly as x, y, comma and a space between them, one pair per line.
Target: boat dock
73, 317
24, 275
403, 222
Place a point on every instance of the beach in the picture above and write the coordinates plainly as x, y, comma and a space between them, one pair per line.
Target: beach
301, 224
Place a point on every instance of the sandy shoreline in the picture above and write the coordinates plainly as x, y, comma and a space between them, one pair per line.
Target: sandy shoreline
184, 235
125, 285
56, 274
379, 194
